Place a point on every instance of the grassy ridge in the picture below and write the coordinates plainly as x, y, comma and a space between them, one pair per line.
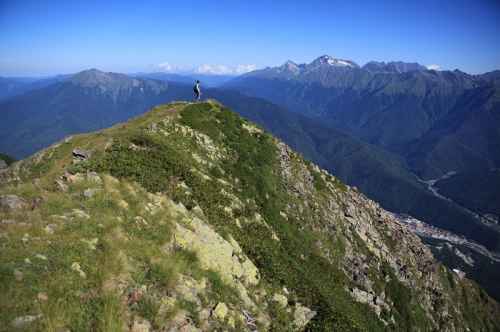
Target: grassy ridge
201, 155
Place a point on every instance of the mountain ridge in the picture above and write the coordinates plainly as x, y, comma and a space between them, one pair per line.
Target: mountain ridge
189, 215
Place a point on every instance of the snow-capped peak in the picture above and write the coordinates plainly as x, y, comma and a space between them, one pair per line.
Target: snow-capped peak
329, 60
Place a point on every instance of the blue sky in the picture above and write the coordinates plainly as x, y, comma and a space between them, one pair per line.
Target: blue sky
48, 37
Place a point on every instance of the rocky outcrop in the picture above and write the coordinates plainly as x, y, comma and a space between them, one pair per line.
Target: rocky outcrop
220, 255
80, 155
12, 203
375, 237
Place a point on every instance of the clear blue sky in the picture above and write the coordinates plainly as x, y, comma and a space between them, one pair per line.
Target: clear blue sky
48, 37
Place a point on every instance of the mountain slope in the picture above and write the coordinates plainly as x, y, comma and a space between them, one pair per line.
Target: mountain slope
92, 100
466, 140
379, 174
482, 194
189, 216
10, 87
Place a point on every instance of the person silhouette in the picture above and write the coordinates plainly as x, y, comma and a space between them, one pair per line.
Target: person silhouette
197, 91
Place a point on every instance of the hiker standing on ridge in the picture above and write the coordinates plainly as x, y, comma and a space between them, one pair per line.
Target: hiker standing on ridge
197, 91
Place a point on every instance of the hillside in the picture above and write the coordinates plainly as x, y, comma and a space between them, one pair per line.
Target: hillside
10, 86
191, 218
379, 174
466, 140
482, 194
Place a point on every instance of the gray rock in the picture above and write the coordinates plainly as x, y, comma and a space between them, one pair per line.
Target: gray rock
140, 325
94, 177
3, 164
50, 228
90, 192
80, 154
302, 316
77, 213
18, 275
24, 321
61, 185
350, 210
12, 202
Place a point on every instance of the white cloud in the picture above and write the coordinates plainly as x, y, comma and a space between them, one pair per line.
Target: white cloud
241, 69
224, 70
434, 67
213, 69
207, 69
165, 66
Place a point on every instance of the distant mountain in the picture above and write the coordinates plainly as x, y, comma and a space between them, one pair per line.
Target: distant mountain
11, 86
209, 81
87, 101
14, 86
320, 70
166, 77
399, 107
491, 77
393, 67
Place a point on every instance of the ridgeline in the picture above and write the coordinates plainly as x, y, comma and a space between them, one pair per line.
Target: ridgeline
190, 218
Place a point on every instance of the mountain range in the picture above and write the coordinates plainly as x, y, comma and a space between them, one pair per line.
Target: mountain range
403, 108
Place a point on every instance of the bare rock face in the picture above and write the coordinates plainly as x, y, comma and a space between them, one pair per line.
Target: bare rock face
140, 325
80, 155
23, 322
302, 316
220, 311
12, 202
215, 253
3, 164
